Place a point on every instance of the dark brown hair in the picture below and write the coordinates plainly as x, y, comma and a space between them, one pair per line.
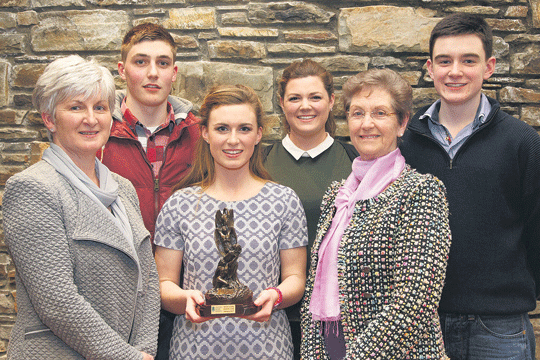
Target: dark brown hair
463, 24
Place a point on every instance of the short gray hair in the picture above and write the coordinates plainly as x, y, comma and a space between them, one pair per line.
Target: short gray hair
69, 77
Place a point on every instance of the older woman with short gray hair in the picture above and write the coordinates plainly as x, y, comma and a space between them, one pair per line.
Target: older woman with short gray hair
87, 285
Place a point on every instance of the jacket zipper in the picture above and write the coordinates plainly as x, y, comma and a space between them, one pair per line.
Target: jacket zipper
154, 179
460, 150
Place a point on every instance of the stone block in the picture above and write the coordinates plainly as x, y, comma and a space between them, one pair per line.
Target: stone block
12, 44
480, 10
26, 75
309, 35
339, 110
424, 96
86, 30
7, 304
33, 118
36, 150
4, 84
510, 94
6, 171
108, 61
504, 80
194, 79
150, 20
134, 2
7, 20
234, 18
502, 67
535, 9
248, 32
191, 18
15, 147
236, 49
149, 11
11, 117
531, 115
13, 159
348, 63
288, 12
374, 29
532, 83
5, 332
51, 3
27, 18
342, 129
522, 38
14, 3
273, 130
185, 41
500, 47
386, 61
412, 77
513, 25
22, 100
19, 134
517, 11
298, 48
207, 35
527, 61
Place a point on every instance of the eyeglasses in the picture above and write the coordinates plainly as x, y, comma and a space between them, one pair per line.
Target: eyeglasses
359, 114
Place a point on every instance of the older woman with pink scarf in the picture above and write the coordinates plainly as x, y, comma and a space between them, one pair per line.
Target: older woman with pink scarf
379, 258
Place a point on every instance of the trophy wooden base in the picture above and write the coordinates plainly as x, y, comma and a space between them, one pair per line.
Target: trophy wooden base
227, 309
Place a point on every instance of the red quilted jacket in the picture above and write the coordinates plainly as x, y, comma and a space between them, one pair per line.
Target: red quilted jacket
124, 155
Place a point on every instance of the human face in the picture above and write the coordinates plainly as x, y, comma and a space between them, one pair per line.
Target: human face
81, 126
458, 69
371, 137
306, 106
232, 133
149, 72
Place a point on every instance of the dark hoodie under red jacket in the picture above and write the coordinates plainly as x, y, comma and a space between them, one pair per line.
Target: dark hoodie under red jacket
124, 155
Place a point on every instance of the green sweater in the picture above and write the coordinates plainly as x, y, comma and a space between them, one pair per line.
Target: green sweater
309, 177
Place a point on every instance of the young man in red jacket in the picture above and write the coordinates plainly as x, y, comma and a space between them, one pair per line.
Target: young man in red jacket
153, 134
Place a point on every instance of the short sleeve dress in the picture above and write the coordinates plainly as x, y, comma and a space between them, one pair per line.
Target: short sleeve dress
270, 221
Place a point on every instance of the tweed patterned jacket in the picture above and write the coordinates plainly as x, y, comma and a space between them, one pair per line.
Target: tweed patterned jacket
391, 267
75, 271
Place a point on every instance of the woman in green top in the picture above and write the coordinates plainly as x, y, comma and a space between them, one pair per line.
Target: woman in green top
308, 159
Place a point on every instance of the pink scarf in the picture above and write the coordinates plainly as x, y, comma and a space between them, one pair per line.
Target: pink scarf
367, 180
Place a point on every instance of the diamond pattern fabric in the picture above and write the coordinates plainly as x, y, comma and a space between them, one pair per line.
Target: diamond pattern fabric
272, 220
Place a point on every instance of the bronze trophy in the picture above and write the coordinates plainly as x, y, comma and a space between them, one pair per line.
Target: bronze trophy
228, 296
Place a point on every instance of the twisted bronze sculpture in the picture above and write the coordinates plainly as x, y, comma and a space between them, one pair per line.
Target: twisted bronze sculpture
228, 295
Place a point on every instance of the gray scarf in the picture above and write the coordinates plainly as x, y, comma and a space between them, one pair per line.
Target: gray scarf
106, 195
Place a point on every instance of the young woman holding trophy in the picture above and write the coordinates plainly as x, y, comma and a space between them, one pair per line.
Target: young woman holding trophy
269, 227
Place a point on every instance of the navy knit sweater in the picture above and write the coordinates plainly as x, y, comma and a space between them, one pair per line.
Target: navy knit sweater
493, 186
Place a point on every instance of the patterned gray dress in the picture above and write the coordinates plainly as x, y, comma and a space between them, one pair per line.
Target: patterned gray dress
271, 221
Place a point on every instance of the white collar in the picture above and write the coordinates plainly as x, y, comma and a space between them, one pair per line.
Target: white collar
297, 153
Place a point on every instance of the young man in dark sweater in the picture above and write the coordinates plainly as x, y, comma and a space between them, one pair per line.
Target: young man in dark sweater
490, 164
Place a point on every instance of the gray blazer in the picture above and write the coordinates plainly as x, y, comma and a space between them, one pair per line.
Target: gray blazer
76, 278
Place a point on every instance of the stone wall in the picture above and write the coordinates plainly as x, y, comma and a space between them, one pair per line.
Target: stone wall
245, 42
